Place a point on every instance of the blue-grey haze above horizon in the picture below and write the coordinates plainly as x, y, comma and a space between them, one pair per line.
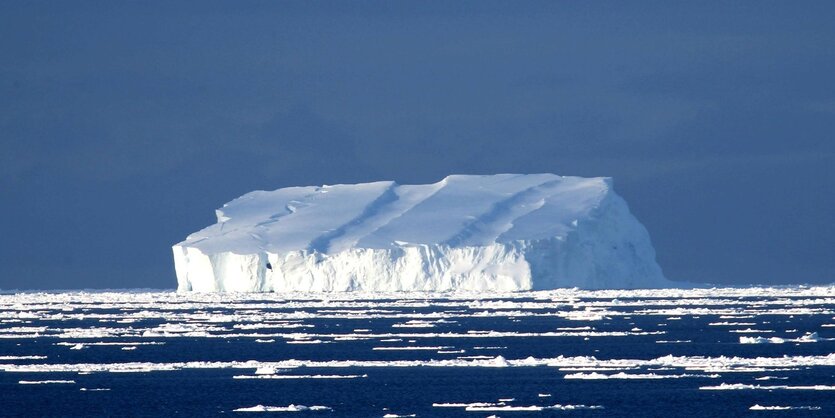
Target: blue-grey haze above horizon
123, 125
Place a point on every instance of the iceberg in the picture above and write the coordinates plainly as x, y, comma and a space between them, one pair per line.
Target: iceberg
477, 233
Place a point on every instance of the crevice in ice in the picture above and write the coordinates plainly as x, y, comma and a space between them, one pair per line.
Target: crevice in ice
488, 227
375, 208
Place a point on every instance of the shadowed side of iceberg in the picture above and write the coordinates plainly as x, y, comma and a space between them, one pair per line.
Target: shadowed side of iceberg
609, 249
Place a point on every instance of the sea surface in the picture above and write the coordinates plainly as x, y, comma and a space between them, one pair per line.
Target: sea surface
701, 352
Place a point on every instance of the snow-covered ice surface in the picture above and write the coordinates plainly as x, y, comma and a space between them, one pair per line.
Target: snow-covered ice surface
500, 232
650, 352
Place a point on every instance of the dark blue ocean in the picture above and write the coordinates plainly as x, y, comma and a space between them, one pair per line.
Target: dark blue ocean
702, 352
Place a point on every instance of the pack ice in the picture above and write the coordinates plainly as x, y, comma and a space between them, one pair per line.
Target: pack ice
504, 232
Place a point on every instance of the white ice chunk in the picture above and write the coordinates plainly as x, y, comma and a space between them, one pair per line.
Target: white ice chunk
289, 408
532, 408
46, 382
743, 386
761, 340
757, 407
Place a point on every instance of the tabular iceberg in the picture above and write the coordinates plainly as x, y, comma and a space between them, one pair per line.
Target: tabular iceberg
504, 232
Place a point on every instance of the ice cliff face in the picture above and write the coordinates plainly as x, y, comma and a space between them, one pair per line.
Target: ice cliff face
501, 232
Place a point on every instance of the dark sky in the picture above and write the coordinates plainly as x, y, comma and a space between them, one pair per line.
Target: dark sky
123, 125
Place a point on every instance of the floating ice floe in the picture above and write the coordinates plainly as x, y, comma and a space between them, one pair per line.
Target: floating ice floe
531, 408
451, 351
111, 343
751, 331
412, 348
757, 407
742, 386
502, 407
811, 337
289, 408
305, 341
595, 369
8, 358
460, 404
638, 376
265, 370
304, 376
761, 340
46, 382
415, 323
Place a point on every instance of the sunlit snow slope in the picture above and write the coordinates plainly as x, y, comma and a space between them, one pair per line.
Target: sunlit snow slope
474, 233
